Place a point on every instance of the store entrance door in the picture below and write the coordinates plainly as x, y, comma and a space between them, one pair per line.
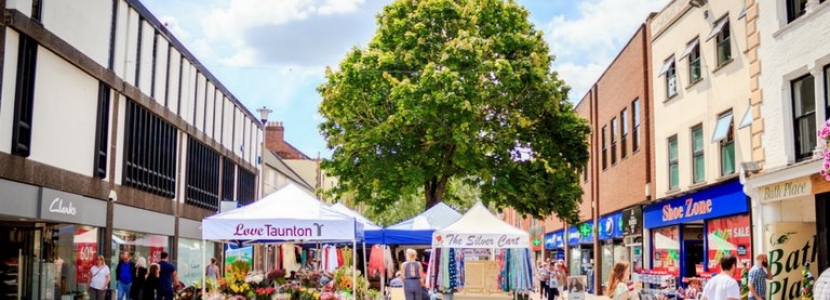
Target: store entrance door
19, 261
822, 231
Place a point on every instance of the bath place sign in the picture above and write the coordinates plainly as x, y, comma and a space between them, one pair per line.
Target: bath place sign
720, 201
486, 241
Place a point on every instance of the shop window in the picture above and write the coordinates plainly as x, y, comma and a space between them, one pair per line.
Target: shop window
102, 131
666, 255
148, 246
698, 160
228, 179
202, 176
624, 134
24, 96
604, 147
674, 168
724, 134
796, 9
730, 235
150, 152
635, 132
76, 248
613, 141
804, 121
246, 186
189, 264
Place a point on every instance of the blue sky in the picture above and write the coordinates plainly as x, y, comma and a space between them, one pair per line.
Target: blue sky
273, 52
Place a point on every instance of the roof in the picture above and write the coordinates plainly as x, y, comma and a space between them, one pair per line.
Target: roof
285, 169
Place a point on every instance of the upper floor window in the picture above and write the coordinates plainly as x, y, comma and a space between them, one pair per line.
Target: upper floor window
624, 134
795, 9
724, 134
827, 91
698, 160
723, 41
614, 140
674, 167
245, 186
670, 72
804, 121
635, 132
202, 189
149, 152
604, 147
693, 57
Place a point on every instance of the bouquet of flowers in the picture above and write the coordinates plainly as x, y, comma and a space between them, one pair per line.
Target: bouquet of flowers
309, 294
277, 276
265, 292
824, 135
238, 283
807, 283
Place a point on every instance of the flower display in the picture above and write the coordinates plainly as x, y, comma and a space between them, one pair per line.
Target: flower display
824, 137
807, 283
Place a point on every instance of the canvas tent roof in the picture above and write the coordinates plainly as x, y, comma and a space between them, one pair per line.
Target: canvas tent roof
372, 232
418, 230
479, 228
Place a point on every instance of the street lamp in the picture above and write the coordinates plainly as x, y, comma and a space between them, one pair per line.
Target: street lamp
263, 114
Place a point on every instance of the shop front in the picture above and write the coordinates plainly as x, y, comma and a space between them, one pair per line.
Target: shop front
612, 249
632, 229
688, 235
555, 245
49, 240
581, 251
141, 233
190, 260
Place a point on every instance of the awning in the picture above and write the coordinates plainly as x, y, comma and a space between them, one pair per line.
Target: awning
742, 14
718, 27
722, 128
689, 48
666, 65
746, 121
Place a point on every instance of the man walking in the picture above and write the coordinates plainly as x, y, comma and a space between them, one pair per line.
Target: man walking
723, 286
124, 273
758, 276
167, 278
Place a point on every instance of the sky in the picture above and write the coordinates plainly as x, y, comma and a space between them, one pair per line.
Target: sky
273, 53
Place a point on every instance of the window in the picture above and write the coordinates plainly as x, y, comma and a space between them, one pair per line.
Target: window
724, 46
138, 51
24, 96
102, 131
635, 132
694, 62
37, 10
150, 152
613, 141
202, 189
674, 168
727, 144
585, 174
228, 171
604, 148
827, 91
624, 135
698, 160
246, 186
795, 9
671, 80
804, 109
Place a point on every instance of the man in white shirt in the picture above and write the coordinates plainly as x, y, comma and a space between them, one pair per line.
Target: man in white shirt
723, 286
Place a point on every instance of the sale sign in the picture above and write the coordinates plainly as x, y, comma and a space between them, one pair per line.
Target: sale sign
729, 236
86, 249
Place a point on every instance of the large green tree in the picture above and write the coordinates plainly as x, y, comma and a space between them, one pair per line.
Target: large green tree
454, 89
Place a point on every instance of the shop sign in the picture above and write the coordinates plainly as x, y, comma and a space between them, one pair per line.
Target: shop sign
790, 245
582, 233
555, 240
481, 241
573, 235
536, 242
723, 200
786, 190
610, 226
632, 221
66, 207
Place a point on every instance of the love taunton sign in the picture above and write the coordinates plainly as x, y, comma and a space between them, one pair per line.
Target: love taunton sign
719, 201
488, 241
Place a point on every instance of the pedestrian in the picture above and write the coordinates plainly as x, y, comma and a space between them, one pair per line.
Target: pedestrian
723, 286
124, 273
151, 284
542, 273
396, 282
212, 270
758, 276
552, 284
137, 289
412, 276
167, 277
99, 280
619, 282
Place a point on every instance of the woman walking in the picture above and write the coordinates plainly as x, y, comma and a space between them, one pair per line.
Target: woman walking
140, 277
412, 276
100, 279
619, 283
151, 285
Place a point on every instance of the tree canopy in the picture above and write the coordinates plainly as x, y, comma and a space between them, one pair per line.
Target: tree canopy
454, 89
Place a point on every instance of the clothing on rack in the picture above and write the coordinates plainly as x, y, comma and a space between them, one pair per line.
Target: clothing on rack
389, 261
346, 254
289, 258
516, 270
376, 262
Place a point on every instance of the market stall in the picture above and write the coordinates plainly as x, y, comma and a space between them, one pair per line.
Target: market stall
480, 257
418, 230
289, 215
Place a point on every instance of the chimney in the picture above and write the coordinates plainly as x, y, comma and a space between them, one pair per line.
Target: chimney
274, 135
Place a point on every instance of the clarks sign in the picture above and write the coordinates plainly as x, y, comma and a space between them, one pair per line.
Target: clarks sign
66, 207
59, 207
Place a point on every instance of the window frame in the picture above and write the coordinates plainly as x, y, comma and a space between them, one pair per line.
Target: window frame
694, 60
150, 152
671, 77
798, 153
727, 142
724, 39
605, 147
698, 153
827, 91
100, 162
792, 15
635, 127
624, 132
614, 129
202, 176
673, 162
24, 96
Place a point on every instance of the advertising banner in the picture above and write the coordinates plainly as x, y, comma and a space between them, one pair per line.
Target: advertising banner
576, 286
279, 230
791, 246
86, 244
486, 241
667, 250
730, 235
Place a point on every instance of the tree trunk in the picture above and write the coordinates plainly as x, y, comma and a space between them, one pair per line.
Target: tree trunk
434, 190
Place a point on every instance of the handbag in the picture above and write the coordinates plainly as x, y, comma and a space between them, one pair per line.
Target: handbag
425, 293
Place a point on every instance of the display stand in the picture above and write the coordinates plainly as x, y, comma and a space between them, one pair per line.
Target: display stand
657, 285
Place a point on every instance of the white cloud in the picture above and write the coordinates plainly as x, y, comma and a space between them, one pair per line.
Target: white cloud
586, 44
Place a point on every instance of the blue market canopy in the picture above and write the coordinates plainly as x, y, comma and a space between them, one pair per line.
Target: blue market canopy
372, 232
418, 230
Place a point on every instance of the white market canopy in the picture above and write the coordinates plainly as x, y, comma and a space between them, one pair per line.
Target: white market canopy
367, 224
289, 214
480, 229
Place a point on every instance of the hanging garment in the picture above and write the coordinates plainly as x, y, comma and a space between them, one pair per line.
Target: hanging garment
375, 264
303, 257
289, 255
346, 257
389, 261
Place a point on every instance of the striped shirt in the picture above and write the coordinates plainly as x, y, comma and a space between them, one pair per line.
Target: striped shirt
758, 279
